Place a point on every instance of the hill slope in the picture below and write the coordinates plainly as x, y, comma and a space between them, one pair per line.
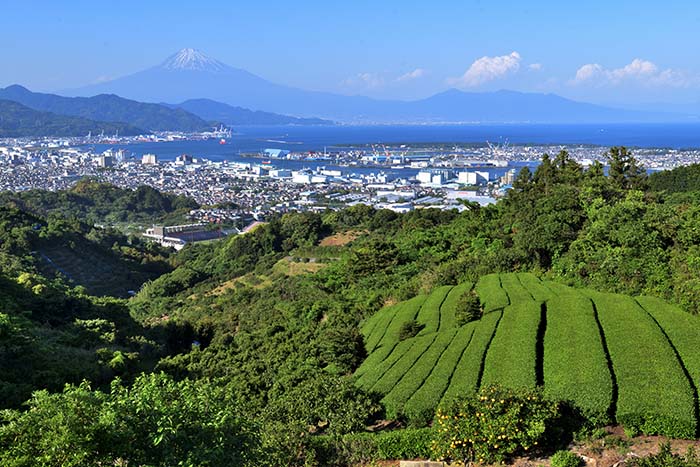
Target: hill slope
18, 121
612, 356
109, 108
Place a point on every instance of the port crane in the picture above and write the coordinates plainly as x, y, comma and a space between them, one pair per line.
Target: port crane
498, 150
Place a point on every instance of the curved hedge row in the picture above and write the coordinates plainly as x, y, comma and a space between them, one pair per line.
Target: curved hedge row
512, 357
465, 379
492, 296
381, 343
575, 365
372, 373
394, 374
374, 328
515, 290
535, 286
411, 381
683, 330
429, 314
448, 319
654, 395
420, 407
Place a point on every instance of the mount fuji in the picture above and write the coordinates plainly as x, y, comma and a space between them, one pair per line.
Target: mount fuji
192, 59
190, 74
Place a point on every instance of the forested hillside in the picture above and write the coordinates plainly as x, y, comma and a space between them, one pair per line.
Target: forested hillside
53, 328
109, 108
311, 322
100, 203
19, 121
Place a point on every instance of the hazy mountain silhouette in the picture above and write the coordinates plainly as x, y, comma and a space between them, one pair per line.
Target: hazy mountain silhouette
17, 120
189, 74
109, 108
231, 115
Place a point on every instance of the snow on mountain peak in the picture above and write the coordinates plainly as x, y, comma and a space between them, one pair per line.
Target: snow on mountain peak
192, 59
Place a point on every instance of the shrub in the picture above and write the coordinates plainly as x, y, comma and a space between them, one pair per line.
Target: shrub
449, 306
566, 459
409, 329
157, 422
404, 444
468, 308
363, 448
492, 425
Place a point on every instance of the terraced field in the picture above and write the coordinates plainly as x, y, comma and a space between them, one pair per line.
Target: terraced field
616, 358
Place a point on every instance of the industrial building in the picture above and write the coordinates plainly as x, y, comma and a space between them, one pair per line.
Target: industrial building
177, 236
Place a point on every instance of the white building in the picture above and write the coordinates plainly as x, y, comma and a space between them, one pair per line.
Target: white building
301, 177
473, 178
105, 161
331, 173
280, 173
424, 177
149, 159
435, 177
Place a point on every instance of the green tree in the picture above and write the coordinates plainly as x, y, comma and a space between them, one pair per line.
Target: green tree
625, 172
156, 422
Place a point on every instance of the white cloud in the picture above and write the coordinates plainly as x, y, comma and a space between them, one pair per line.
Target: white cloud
411, 75
588, 72
674, 78
487, 69
535, 67
638, 70
364, 81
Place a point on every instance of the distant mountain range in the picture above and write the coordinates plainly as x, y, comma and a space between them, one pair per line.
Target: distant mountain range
17, 121
110, 108
129, 115
230, 115
189, 74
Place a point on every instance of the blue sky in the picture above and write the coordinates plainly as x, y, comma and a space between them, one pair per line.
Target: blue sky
601, 51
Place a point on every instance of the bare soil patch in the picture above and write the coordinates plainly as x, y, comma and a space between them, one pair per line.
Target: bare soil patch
341, 238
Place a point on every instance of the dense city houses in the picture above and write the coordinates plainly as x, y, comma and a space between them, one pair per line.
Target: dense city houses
398, 178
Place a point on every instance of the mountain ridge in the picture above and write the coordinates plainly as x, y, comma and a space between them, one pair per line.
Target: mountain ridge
18, 121
109, 108
189, 74
234, 115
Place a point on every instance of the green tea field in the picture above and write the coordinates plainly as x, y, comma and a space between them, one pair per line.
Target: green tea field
614, 357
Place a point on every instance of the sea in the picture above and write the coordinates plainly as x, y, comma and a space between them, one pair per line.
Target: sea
254, 139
